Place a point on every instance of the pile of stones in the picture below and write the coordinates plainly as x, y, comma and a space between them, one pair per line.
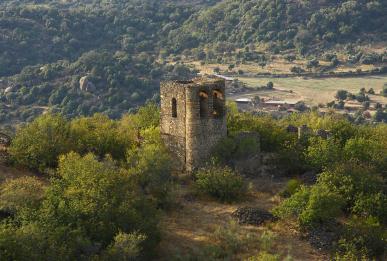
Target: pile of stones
322, 238
252, 216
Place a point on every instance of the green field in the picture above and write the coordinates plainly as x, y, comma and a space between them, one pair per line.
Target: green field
321, 90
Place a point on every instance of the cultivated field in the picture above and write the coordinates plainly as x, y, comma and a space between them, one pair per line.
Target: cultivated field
314, 91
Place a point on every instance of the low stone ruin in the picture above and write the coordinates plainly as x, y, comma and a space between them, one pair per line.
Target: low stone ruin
252, 216
304, 131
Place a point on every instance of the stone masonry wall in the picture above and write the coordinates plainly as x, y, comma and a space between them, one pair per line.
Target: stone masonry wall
173, 129
191, 136
202, 133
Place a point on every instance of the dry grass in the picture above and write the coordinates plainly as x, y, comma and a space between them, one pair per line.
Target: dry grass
277, 66
13, 173
188, 230
323, 90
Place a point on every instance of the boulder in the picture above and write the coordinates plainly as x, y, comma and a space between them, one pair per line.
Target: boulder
8, 90
86, 85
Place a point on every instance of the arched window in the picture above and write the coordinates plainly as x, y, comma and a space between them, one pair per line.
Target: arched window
203, 104
218, 103
174, 108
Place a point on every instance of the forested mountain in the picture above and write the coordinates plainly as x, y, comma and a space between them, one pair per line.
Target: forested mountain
49, 46
285, 24
119, 48
33, 34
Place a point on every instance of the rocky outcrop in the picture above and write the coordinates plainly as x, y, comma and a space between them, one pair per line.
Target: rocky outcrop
86, 85
8, 90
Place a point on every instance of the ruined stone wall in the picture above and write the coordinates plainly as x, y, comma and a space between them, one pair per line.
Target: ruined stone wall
173, 128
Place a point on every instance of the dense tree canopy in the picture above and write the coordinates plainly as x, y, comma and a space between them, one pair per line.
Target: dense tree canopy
284, 24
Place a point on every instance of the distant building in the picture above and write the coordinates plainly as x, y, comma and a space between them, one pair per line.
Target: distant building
276, 104
244, 104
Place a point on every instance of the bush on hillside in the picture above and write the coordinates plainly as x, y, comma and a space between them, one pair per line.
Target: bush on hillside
323, 205
100, 135
83, 211
360, 186
151, 165
270, 131
236, 147
292, 186
220, 182
22, 193
363, 236
125, 246
293, 206
38, 144
322, 153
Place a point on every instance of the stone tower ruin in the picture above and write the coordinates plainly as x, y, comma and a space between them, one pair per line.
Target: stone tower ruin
193, 119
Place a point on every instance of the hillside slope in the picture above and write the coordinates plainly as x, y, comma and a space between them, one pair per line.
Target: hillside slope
284, 23
50, 45
123, 47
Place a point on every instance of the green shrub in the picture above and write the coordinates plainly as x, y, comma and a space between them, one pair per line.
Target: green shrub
266, 240
360, 186
125, 246
264, 256
312, 206
38, 144
229, 242
21, 193
220, 182
364, 236
231, 148
101, 200
100, 135
225, 149
272, 135
372, 204
151, 165
292, 186
367, 151
293, 206
322, 153
323, 205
